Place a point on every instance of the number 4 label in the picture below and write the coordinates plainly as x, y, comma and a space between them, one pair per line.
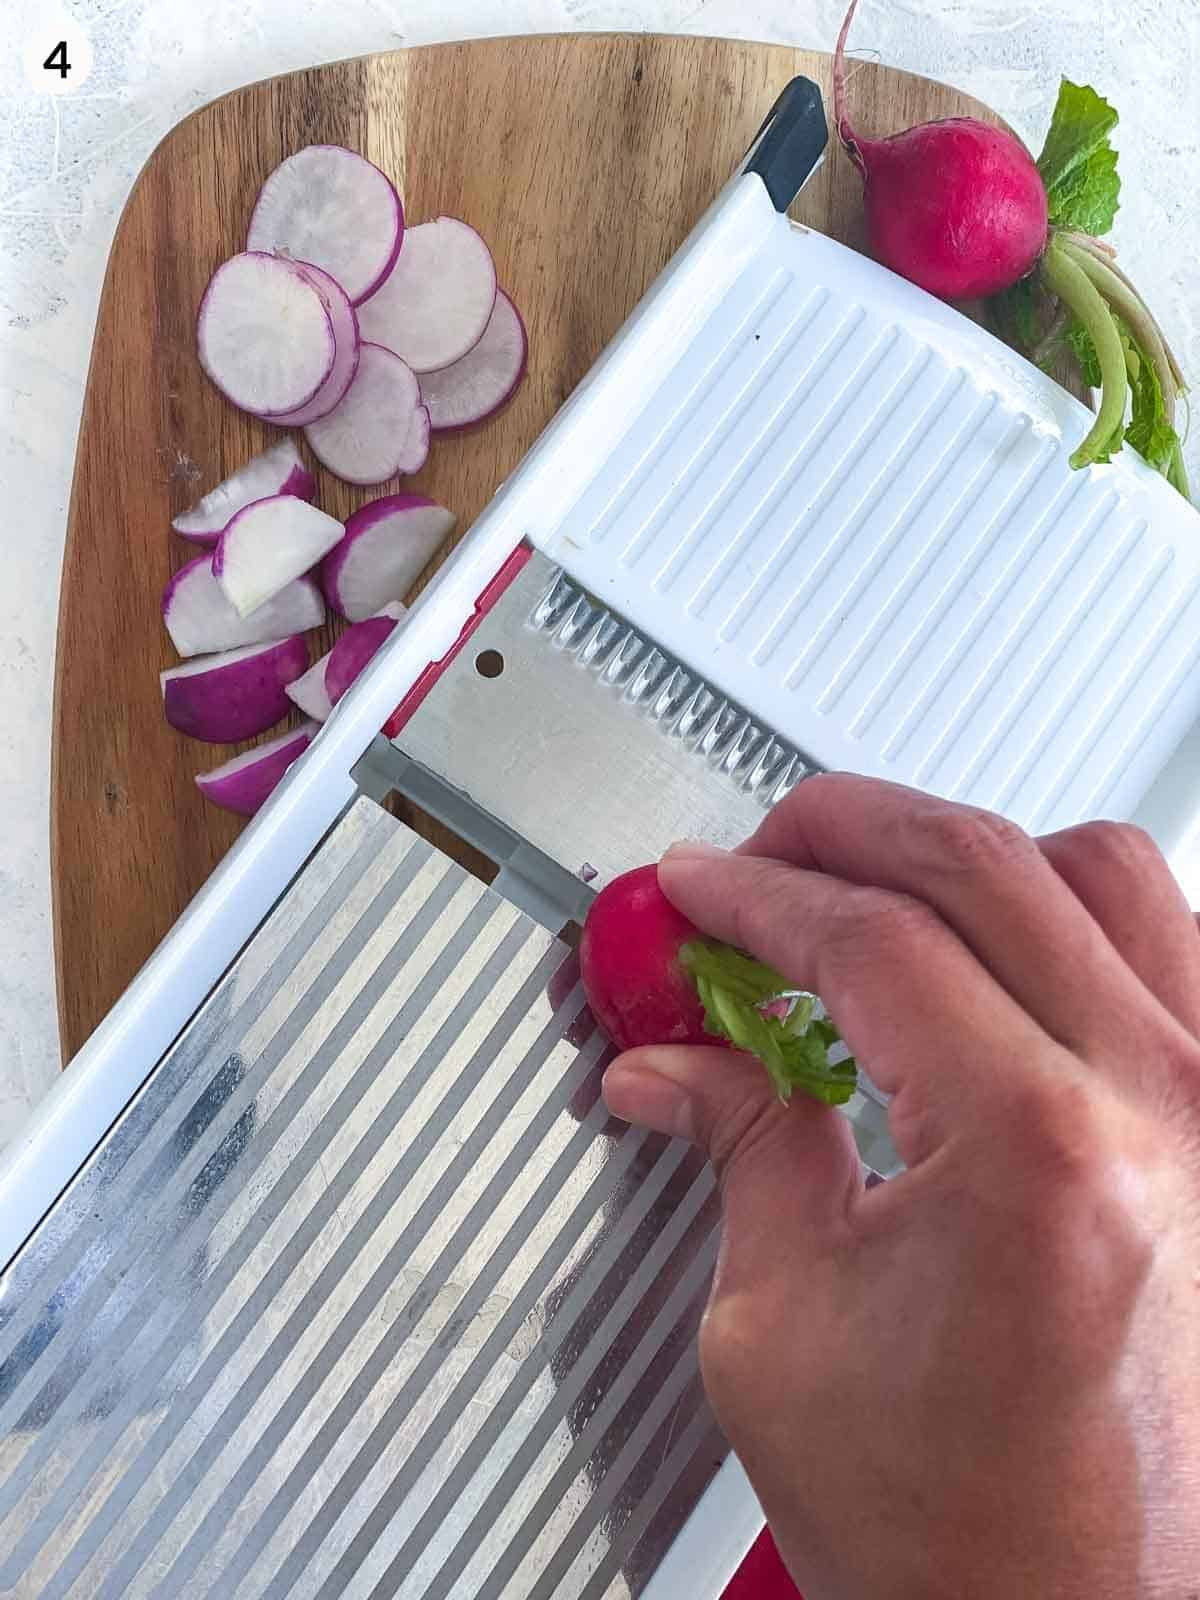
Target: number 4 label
57, 61
57, 56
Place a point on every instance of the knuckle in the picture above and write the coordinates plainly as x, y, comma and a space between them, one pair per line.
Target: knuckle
1112, 846
869, 925
965, 840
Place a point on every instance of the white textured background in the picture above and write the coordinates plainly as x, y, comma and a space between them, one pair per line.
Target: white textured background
67, 163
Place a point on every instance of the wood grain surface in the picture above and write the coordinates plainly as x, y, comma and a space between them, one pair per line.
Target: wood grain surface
583, 160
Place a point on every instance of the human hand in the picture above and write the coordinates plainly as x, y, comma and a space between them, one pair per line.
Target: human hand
983, 1377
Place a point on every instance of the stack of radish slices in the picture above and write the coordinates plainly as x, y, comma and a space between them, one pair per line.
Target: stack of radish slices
370, 337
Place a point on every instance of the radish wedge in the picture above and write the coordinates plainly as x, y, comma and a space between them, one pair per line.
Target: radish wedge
245, 782
435, 304
352, 652
264, 334
334, 208
387, 545
366, 440
200, 619
236, 695
308, 693
278, 470
480, 382
269, 543
345, 362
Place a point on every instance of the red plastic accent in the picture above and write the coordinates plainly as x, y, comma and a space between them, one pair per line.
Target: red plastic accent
429, 675
762, 1575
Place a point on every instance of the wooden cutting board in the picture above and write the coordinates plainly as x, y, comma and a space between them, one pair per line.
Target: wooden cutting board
583, 159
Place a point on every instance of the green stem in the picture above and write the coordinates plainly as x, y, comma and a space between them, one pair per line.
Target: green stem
1076, 290
1106, 256
1177, 473
1130, 305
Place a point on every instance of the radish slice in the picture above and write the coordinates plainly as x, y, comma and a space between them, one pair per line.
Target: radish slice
264, 334
269, 543
345, 362
387, 545
278, 470
367, 438
436, 302
485, 378
333, 208
308, 692
200, 619
235, 695
415, 451
352, 652
245, 782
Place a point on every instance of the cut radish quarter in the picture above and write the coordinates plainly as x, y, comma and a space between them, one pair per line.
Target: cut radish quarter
307, 692
388, 544
235, 695
334, 208
269, 543
264, 334
367, 439
436, 301
244, 783
200, 619
355, 648
485, 378
278, 470
345, 362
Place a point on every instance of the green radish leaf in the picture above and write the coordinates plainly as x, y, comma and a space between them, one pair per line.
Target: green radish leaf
1078, 164
1149, 432
1084, 351
1020, 310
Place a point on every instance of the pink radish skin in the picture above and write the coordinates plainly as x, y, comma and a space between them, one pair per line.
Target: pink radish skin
200, 620
352, 652
344, 320
264, 335
235, 695
269, 543
278, 470
366, 440
437, 300
334, 208
245, 782
387, 545
957, 206
484, 379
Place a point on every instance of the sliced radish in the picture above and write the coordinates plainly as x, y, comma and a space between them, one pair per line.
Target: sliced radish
264, 334
352, 652
308, 692
278, 470
245, 782
387, 545
235, 695
482, 380
267, 544
200, 619
367, 438
415, 451
345, 362
435, 303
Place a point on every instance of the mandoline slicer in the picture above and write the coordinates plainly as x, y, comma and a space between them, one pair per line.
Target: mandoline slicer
324, 1272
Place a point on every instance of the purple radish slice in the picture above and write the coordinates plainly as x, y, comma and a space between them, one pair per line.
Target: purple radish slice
366, 438
483, 380
200, 619
352, 652
278, 470
334, 208
415, 451
387, 545
235, 695
345, 362
264, 335
436, 301
245, 782
267, 544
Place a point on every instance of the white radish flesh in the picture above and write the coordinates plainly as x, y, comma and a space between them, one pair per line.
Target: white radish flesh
269, 543
278, 470
415, 451
235, 695
387, 544
264, 334
484, 379
345, 362
366, 438
244, 783
435, 303
200, 619
334, 208
308, 693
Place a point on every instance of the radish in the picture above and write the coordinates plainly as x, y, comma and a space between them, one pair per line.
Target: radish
483, 380
235, 695
308, 693
243, 783
651, 977
415, 451
200, 619
366, 440
278, 470
435, 304
264, 334
345, 362
355, 648
387, 544
334, 208
267, 544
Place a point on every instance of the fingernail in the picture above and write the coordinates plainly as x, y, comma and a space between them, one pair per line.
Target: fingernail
649, 1097
693, 850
